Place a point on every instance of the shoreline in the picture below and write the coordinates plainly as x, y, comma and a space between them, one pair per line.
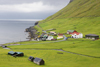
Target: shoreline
32, 32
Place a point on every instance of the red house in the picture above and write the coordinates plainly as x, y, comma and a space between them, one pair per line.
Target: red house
71, 31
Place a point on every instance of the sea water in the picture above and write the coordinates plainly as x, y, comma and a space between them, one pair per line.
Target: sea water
14, 30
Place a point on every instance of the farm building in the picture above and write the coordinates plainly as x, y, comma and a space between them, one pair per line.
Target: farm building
92, 36
71, 31
38, 61
77, 35
60, 36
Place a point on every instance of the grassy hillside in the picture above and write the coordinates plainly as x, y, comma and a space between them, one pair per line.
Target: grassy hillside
80, 15
78, 8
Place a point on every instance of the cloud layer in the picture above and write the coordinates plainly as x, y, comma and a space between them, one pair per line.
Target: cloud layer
28, 7
23, 9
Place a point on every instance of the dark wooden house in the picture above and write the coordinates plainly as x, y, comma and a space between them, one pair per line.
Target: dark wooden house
15, 53
19, 54
11, 53
38, 61
92, 36
3, 46
31, 58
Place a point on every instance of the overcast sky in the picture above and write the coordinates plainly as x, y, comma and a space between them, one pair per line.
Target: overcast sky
30, 9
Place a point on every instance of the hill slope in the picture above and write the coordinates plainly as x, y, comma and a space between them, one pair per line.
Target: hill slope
78, 8
80, 15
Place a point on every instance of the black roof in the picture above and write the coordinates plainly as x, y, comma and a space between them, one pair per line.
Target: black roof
31, 57
37, 60
92, 35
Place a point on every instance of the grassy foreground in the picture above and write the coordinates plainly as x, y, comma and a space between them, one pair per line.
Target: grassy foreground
51, 57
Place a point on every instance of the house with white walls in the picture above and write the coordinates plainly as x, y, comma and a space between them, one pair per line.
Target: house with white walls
77, 35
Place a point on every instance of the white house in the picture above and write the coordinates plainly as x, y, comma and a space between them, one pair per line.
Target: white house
49, 38
77, 35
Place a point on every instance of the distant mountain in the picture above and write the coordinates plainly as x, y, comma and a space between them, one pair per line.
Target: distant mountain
80, 15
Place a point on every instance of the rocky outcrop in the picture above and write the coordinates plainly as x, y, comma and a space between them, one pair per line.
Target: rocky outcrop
32, 32
36, 23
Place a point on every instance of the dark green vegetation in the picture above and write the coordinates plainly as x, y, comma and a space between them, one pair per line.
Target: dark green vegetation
80, 15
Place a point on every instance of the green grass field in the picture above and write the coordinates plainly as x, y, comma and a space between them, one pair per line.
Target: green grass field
52, 57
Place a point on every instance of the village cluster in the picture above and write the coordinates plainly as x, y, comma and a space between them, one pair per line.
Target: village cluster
52, 35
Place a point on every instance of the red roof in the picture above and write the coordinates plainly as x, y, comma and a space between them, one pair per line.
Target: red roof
76, 33
60, 34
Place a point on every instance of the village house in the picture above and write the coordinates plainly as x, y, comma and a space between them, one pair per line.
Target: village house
60, 36
92, 36
49, 38
77, 35
52, 33
71, 31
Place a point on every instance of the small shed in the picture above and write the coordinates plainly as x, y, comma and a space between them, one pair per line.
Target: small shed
19, 54
92, 36
31, 58
39, 61
15, 53
4, 46
71, 31
11, 53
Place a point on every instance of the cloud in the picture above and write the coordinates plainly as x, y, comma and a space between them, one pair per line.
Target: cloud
51, 2
29, 7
